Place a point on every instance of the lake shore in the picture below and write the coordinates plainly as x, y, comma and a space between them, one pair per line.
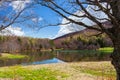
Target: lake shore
72, 71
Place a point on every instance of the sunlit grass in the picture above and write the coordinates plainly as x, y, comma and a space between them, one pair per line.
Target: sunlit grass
106, 49
105, 73
18, 72
12, 56
60, 71
102, 69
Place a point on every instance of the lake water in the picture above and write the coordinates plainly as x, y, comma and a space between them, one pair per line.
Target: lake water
48, 61
56, 57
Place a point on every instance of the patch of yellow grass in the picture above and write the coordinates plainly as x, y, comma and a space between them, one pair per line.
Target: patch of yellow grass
11, 56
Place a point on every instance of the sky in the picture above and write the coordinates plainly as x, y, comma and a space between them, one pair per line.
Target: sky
42, 13
46, 32
47, 15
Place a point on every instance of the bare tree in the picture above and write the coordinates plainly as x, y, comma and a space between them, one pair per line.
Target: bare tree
109, 25
16, 12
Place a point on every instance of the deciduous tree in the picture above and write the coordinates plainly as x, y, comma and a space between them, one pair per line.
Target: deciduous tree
110, 24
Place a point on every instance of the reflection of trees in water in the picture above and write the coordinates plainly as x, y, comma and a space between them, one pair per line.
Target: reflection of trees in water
33, 56
39, 56
64, 56
8, 62
80, 56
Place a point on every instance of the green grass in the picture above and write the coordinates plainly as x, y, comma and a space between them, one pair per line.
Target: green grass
12, 56
99, 72
97, 69
18, 72
106, 49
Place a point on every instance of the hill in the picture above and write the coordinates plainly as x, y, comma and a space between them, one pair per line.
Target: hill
84, 39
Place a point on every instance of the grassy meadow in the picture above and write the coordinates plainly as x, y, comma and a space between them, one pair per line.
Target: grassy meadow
60, 71
90, 70
21, 73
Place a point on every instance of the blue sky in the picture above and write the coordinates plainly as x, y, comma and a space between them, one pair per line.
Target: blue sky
47, 32
47, 15
52, 17
42, 13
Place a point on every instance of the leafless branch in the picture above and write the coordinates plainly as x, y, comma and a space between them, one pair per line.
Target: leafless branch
13, 18
90, 16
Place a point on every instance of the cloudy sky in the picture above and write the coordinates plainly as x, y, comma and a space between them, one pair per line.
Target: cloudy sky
43, 14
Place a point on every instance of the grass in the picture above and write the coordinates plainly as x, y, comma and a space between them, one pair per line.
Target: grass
106, 49
99, 72
97, 69
12, 56
20, 73
61, 71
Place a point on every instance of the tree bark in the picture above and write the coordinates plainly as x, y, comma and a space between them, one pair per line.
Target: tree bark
116, 57
115, 31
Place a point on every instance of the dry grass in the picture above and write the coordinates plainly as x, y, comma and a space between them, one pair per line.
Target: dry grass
75, 71
100, 70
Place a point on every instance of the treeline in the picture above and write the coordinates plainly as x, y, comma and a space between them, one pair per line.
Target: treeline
18, 44
86, 39
75, 41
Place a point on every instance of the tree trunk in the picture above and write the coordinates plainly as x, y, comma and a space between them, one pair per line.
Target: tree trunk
116, 57
115, 31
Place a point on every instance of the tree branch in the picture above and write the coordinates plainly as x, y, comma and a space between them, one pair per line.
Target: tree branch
92, 18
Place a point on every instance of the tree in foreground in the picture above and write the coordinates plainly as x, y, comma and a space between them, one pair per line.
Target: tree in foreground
73, 11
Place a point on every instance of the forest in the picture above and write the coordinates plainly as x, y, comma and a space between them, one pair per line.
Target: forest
17, 44
80, 40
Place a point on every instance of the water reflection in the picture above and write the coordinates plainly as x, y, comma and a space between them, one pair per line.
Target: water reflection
75, 56
56, 57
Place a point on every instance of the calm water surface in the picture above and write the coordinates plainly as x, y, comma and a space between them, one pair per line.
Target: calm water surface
56, 57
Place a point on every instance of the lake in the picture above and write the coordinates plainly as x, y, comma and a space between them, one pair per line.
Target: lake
57, 57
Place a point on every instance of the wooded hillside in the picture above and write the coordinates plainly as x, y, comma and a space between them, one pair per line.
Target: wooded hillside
85, 39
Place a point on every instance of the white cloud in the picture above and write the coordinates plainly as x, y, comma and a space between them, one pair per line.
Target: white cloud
17, 31
19, 5
65, 29
40, 18
37, 19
